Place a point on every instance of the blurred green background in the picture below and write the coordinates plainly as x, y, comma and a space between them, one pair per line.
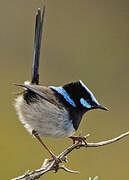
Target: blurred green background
87, 40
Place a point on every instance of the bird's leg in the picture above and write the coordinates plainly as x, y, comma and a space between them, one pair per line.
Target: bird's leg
79, 139
57, 161
40, 140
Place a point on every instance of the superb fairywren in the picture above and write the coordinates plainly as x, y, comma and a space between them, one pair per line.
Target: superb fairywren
54, 112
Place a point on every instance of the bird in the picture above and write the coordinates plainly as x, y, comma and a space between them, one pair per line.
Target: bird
54, 112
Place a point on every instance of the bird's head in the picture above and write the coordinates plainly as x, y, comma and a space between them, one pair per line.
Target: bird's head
82, 97
77, 97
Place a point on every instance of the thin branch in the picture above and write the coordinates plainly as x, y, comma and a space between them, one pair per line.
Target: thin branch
50, 165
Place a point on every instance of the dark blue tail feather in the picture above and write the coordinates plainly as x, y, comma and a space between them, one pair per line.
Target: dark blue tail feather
37, 45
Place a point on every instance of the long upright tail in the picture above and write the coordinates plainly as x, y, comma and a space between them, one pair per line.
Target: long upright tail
37, 45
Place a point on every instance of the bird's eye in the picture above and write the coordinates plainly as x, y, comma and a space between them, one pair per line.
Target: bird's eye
88, 100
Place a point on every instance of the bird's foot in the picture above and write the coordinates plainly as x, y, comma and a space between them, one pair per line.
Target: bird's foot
79, 138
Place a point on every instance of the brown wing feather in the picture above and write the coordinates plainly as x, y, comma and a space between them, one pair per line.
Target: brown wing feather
42, 91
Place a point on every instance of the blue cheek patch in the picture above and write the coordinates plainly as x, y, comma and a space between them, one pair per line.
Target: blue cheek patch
84, 103
61, 91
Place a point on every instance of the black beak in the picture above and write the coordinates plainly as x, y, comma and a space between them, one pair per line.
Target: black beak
102, 107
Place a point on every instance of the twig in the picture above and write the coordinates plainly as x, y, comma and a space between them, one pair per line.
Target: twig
50, 165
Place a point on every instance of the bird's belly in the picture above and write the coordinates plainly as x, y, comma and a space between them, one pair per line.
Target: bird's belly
47, 119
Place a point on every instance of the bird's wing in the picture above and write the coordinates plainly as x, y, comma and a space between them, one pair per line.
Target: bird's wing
43, 92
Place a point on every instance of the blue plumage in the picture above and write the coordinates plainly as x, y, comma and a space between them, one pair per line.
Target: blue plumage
85, 103
62, 92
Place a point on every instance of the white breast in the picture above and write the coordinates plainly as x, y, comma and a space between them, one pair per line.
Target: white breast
47, 119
